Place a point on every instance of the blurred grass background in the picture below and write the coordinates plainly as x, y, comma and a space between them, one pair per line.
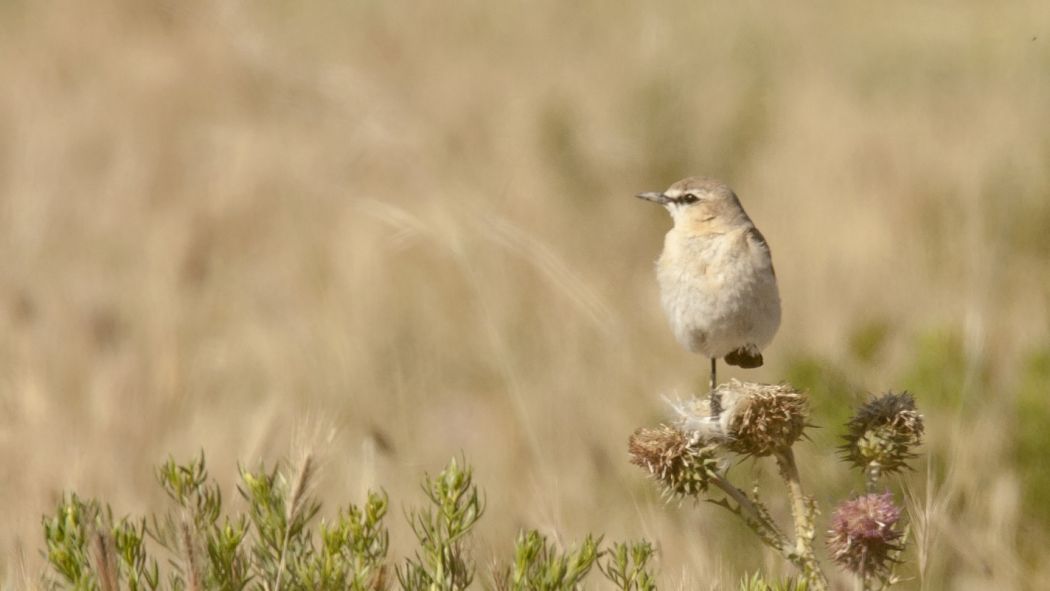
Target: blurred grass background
409, 227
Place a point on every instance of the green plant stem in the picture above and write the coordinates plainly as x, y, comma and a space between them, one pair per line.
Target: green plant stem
802, 514
739, 496
281, 565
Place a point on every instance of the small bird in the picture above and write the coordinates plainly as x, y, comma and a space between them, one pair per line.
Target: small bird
717, 282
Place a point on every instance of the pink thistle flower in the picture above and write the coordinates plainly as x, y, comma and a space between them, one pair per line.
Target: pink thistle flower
863, 535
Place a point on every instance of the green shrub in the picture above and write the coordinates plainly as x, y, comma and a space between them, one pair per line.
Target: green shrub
199, 545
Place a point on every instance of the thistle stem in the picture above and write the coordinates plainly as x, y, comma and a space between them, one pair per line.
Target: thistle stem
741, 499
802, 514
872, 474
758, 517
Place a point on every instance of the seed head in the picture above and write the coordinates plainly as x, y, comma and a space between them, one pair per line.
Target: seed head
883, 433
680, 463
761, 419
863, 534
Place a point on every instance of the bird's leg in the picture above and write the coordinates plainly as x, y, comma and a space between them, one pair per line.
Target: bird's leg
716, 399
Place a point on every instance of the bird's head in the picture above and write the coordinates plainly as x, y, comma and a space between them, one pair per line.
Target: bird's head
699, 202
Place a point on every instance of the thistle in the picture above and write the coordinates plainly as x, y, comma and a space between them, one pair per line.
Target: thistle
863, 536
881, 436
681, 463
761, 419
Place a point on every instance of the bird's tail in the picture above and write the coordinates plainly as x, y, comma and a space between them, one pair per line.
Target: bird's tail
747, 357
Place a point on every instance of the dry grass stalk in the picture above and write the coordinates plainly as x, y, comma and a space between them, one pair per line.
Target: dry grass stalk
189, 548
294, 506
105, 561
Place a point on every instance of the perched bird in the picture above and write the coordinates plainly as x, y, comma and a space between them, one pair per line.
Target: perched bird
716, 276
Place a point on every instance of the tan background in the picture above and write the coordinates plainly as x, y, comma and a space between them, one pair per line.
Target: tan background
226, 224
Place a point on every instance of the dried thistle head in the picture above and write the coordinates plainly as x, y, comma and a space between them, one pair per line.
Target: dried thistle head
863, 536
681, 463
884, 432
761, 419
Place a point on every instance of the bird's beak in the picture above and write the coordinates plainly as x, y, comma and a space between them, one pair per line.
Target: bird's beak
654, 197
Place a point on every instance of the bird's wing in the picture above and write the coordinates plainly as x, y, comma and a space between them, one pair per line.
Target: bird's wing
758, 241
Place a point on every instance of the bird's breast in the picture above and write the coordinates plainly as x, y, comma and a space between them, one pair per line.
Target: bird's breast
716, 291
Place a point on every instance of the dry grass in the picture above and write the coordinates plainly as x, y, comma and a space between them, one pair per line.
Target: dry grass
222, 220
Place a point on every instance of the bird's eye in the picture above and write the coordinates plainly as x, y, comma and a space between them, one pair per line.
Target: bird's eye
689, 198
